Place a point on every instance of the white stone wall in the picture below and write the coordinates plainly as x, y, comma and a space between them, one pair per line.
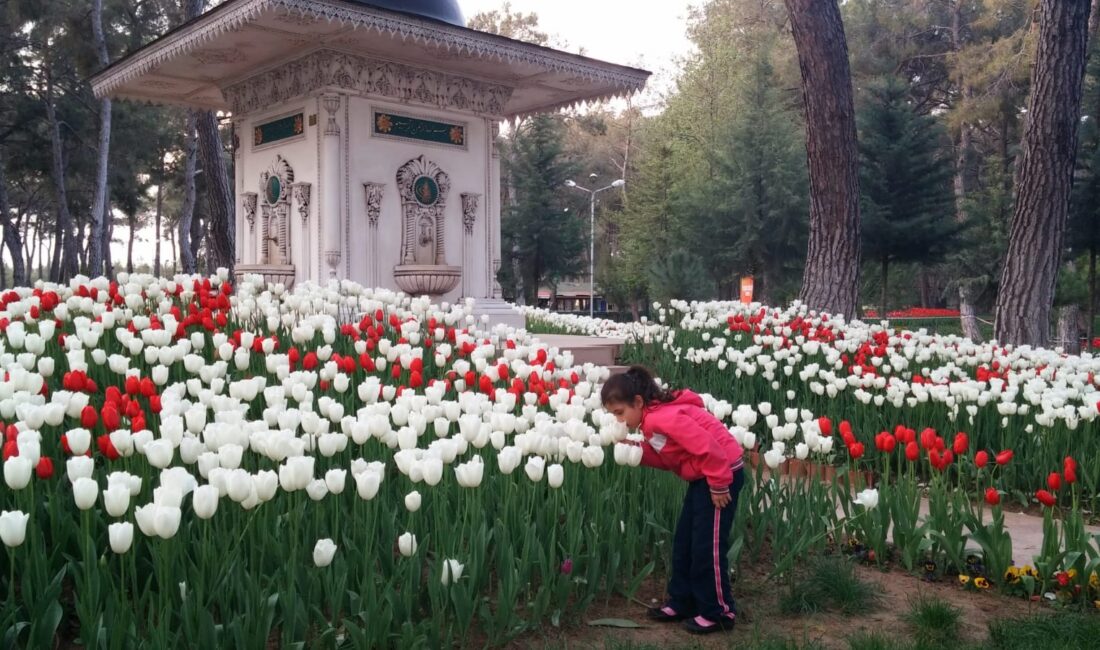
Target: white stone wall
366, 158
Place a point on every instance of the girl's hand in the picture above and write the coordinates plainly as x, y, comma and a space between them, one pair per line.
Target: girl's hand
720, 500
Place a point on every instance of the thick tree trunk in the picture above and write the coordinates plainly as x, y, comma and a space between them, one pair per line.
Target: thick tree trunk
187, 213
1046, 175
1090, 312
95, 240
108, 236
220, 219
64, 253
11, 232
1068, 331
830, 281
1094, 18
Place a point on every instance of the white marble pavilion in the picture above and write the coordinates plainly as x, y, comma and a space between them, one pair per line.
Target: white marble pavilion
365, 131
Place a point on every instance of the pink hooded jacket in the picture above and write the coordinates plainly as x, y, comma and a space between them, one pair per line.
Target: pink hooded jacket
681, 436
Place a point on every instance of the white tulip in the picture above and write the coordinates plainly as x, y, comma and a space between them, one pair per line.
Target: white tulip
535, 468
323, 552
452, 571
204, 500
317, 489
116, 499
85, 492
79, 440
121, 536
412, 501
166, 521
335, 480
159, 453
773, 458
555, 475
867, 498
13, 527
17, 472
367, 484
406, 543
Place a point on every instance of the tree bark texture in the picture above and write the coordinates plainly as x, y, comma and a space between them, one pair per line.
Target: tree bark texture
1069, 333
160, 209
132, 223
830, 281
11, 233
187, 212
64, 250
108, 235
220, 243
1090, 312
1028, 278
95, 240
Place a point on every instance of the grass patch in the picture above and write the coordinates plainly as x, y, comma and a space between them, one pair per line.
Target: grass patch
872, 641
830, 584
1064, 631
935, 622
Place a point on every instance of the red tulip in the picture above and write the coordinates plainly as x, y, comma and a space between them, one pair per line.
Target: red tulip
928, 438
1004, 457
10, 449
88, 417
856, 450
981, 458
416, 380
567, 566
992, 496
106, 447
1069, 469
44, 470
111, 417
912, 452
1054, 482
1046, 498
962, 444
310, 361
133, 385
826, 426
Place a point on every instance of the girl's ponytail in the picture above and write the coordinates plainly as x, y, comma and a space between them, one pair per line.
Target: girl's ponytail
637, 381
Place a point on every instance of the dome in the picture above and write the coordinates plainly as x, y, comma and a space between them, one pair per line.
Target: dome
447, 11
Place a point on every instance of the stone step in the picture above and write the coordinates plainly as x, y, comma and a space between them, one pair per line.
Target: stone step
586, 349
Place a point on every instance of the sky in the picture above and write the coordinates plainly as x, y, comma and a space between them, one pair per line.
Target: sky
617, 31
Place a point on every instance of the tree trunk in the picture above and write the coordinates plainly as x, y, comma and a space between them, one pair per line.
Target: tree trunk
187, 213
1090, 313
62, 258
95, 240
1094, 18
1046, 175
220, 245
1068, 330
108, 236
160, 207
830, 281
884, 314
11, 232
132, 222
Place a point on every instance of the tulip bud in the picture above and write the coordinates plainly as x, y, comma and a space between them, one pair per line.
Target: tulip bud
992, 496
555, 475
159, 453
316, 489
335, 480
367, 484
121, 535
412, 501
323, 552
166, 521
535, 468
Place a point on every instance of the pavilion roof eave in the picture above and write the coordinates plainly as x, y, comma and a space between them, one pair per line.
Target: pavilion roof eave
597, 79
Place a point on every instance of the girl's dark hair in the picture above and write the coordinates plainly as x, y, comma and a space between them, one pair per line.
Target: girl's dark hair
635, 382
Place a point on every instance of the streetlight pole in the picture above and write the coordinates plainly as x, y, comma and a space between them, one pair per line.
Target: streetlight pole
592, 238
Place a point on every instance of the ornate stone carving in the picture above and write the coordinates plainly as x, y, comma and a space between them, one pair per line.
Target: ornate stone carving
250, 200
218, 55
333, 260
302, 192
360, 74
332, 104
469, 211
373, 192
275, 185
423, 187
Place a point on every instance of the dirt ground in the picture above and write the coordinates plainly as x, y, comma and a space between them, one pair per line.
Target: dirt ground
761, 617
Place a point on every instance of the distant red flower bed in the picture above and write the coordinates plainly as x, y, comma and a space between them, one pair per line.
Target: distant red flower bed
917, 312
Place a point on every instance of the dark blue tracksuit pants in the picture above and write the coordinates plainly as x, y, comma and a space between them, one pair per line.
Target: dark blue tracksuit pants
700, 583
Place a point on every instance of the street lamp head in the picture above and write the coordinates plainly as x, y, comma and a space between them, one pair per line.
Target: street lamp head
618, 183
593, 175
570, 184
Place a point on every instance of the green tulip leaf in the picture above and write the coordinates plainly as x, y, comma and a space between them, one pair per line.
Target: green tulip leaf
615, 622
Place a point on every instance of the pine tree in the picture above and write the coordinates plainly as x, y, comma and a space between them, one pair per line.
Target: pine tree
538, 237
905, 179
1083, 228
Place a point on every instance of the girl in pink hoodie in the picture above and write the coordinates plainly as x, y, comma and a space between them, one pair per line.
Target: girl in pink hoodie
681, 436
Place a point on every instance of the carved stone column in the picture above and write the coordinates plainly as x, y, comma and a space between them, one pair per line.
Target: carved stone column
492, 216
470, 202
373, 194
250, 201
303, 193
330, 182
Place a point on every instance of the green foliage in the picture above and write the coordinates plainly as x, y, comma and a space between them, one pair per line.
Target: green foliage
934, 621
539, 239
832, 584
680, 275
1062, 631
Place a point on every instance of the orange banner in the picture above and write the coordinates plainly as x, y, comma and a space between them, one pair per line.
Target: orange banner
746, 290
